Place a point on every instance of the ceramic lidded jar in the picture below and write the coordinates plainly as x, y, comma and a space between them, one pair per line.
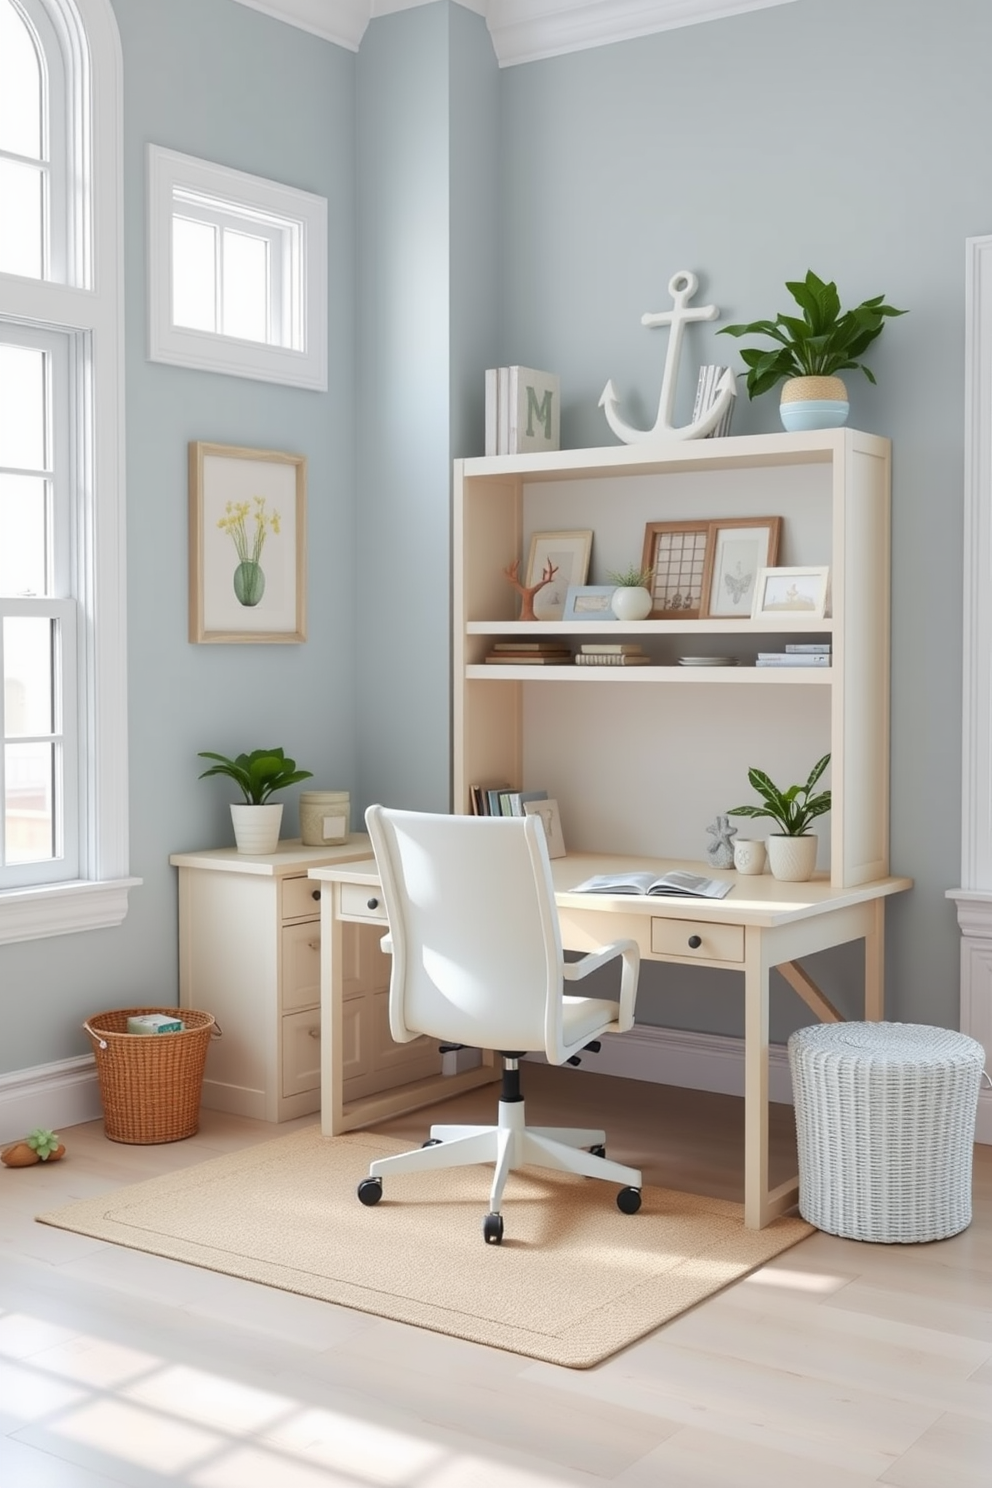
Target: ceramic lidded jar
325, 817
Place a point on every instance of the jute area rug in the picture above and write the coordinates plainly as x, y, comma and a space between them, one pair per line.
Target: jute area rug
573, 1281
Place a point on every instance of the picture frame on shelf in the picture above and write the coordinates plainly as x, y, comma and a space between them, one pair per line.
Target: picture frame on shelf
792, 592
247, 545
589, 602
675, 555
551, 818
736, 552
568, 553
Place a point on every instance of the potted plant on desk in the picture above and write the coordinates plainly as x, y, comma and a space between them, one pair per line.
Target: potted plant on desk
256, 819
792, 850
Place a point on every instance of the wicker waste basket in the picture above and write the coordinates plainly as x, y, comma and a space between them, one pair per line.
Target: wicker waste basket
150, 1084
885, 1122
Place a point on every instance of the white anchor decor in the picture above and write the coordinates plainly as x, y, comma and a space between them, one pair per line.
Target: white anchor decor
682, 286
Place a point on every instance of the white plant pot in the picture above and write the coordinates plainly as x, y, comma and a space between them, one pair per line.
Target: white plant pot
792, 859
256, 828
631, 602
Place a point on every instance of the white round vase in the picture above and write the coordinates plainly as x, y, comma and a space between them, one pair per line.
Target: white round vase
631, 602
256, 828
792, 859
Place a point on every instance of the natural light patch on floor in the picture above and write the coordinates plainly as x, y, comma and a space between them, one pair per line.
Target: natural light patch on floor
366, 1451
796, 1281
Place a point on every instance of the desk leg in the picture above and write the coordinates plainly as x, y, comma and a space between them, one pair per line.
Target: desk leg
875, 963
332, 933
761, 1205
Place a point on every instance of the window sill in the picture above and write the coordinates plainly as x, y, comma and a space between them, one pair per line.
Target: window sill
63, 909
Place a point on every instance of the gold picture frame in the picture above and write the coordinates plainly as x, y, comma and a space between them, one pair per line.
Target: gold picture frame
247, 545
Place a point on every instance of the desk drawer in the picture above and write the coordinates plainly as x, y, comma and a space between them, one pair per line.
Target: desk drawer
360, 902
300, 898
715, 942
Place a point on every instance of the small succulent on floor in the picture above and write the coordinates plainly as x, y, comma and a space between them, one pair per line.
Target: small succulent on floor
41, 1146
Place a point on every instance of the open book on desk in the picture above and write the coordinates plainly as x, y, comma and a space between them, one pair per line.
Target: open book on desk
677, 883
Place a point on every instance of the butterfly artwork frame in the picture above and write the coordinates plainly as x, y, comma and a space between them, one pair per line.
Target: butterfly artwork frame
736, 552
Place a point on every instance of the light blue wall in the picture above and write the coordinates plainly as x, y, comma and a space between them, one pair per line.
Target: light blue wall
825, 134
427, 268
226, 83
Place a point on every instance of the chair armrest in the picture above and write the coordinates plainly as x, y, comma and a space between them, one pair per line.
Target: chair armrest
386, 945
628, 950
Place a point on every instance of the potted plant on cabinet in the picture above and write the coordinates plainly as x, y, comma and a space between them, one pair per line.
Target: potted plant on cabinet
256, 819
632, 596
811, 351
792, 850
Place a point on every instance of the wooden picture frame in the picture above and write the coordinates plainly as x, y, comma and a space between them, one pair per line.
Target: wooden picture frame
569, 552
247, 545
736, 552
791, 593
675, 555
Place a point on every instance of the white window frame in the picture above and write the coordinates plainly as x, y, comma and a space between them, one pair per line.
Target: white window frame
298, 219
86, 302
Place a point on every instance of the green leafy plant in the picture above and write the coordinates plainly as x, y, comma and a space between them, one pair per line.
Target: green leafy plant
633, 577
827, 340
794, 809
258, 774
43, 1142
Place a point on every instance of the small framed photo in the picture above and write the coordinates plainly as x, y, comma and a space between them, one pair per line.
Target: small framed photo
551, 817
567, 554
791, 591
589, 602
247, 545
736, 553
675, 554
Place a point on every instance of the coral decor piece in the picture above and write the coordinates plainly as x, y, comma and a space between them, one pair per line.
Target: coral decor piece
528, 591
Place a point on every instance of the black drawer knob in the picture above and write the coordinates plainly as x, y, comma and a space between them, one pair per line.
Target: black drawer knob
315, 894
695, 941
373, 904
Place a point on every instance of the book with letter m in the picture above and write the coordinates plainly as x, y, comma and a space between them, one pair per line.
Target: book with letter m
677, 883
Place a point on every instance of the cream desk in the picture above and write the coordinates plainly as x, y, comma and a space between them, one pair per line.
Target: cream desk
761, 924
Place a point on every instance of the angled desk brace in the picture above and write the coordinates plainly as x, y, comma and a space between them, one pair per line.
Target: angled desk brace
761, 924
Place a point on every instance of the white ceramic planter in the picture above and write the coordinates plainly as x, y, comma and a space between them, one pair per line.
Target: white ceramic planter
631, 602
256, 828
792, 859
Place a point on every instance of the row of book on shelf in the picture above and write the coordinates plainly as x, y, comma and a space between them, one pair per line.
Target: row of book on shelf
629, 653
503, 800
523, 410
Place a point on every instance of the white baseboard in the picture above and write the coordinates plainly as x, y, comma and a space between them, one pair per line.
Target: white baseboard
695, 1061
49, 1095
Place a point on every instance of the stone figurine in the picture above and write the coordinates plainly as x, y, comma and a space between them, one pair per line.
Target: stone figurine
721, 850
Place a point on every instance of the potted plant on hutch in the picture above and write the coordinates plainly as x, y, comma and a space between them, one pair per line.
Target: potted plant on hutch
791, 850
256, 819
811, 351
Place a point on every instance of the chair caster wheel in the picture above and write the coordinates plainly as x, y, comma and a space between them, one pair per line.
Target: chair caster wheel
629, 1200
492, 1229
598, 1151
370, 1191
432, 1142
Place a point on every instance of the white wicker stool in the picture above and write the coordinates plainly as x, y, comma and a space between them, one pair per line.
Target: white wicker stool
885, 1121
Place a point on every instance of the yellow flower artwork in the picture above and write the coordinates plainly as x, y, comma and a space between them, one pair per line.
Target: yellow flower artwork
248, 524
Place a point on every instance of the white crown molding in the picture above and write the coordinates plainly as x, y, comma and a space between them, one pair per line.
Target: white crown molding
522, 30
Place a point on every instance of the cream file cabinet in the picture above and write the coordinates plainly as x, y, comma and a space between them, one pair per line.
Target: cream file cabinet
249, 952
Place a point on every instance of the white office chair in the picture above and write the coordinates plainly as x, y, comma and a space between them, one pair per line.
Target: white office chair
477, 961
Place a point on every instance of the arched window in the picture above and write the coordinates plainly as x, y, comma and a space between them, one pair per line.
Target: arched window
63, 757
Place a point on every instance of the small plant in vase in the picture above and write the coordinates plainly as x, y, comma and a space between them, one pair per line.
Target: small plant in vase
791, 850
632, 596
258, 775
811, 351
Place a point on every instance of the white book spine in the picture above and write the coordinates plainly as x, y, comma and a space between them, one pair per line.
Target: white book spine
492, 414
793, 661
503, 410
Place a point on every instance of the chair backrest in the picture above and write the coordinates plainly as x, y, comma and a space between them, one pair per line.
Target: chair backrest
476, 946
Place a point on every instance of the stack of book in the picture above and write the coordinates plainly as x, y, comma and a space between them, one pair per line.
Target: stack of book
607, 654
530, 653
501, 800
812, 655
707, 392
523, 412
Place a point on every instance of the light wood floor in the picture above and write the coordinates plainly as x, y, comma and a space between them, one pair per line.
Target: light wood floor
836, 1366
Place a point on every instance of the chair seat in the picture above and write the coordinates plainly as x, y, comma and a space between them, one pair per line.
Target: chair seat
583, 1017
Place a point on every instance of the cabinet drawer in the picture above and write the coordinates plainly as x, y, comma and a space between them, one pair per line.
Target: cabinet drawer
716, 942
300, 1052
358, 901
300, 898
300, 955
